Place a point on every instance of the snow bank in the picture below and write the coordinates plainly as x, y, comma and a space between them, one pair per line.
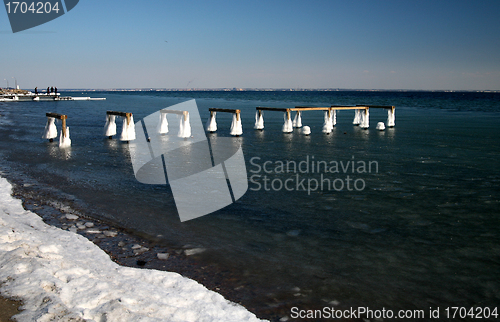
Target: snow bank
60, 275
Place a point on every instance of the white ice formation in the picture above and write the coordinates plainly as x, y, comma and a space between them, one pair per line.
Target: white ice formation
306, 130
365, 119
163, 126
128, 129
328, 124
184, 127
236, 128
50, 129
391, 118
64, 140
297, 121
110, 126
212, 123
287, 126
357, 117
259, 120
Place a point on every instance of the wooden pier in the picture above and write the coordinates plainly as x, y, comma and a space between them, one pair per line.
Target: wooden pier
236, 128
128, 129
226, 110
360, 118
184, 113
128, 116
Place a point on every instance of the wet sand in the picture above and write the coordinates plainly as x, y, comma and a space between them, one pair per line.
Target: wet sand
8, 308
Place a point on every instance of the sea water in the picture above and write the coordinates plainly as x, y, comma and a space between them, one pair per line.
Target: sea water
406, 218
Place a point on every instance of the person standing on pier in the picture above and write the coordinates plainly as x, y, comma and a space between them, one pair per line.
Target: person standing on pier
36, 90
52, 90
55, 90
48, 90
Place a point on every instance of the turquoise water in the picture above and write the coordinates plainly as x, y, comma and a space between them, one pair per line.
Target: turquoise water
423, 231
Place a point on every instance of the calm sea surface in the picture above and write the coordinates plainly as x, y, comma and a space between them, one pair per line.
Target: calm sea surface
418, 229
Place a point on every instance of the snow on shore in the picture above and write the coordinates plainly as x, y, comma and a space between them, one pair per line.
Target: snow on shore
62, 276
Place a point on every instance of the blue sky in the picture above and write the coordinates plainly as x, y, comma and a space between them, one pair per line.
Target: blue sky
425, 45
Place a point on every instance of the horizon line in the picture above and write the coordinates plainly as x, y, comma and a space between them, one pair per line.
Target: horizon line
270, 89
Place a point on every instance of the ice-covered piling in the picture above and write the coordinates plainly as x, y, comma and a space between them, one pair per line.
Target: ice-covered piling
328, 124
50, 129
365, 119
110, 126
64, 140
259, 120
184, 126
357, 117
128, 129
163, 125
361, 115
391, 117
212, 123
236, 128
297, 121
287, 126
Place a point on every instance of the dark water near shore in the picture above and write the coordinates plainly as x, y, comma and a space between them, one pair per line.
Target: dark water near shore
423, 232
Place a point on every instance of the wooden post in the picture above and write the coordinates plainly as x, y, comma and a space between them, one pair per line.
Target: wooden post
63, 119
237, 115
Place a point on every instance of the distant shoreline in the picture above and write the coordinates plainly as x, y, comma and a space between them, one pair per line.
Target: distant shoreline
148, 89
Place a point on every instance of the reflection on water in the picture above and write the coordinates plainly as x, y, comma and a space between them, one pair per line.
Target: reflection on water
113, 145
58, 153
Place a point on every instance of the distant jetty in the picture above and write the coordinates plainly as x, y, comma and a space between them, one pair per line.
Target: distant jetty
21, 95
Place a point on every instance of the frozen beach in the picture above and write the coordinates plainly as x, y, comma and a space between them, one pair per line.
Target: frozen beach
60, 275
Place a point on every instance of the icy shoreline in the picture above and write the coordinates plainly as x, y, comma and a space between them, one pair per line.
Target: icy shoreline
60, 275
